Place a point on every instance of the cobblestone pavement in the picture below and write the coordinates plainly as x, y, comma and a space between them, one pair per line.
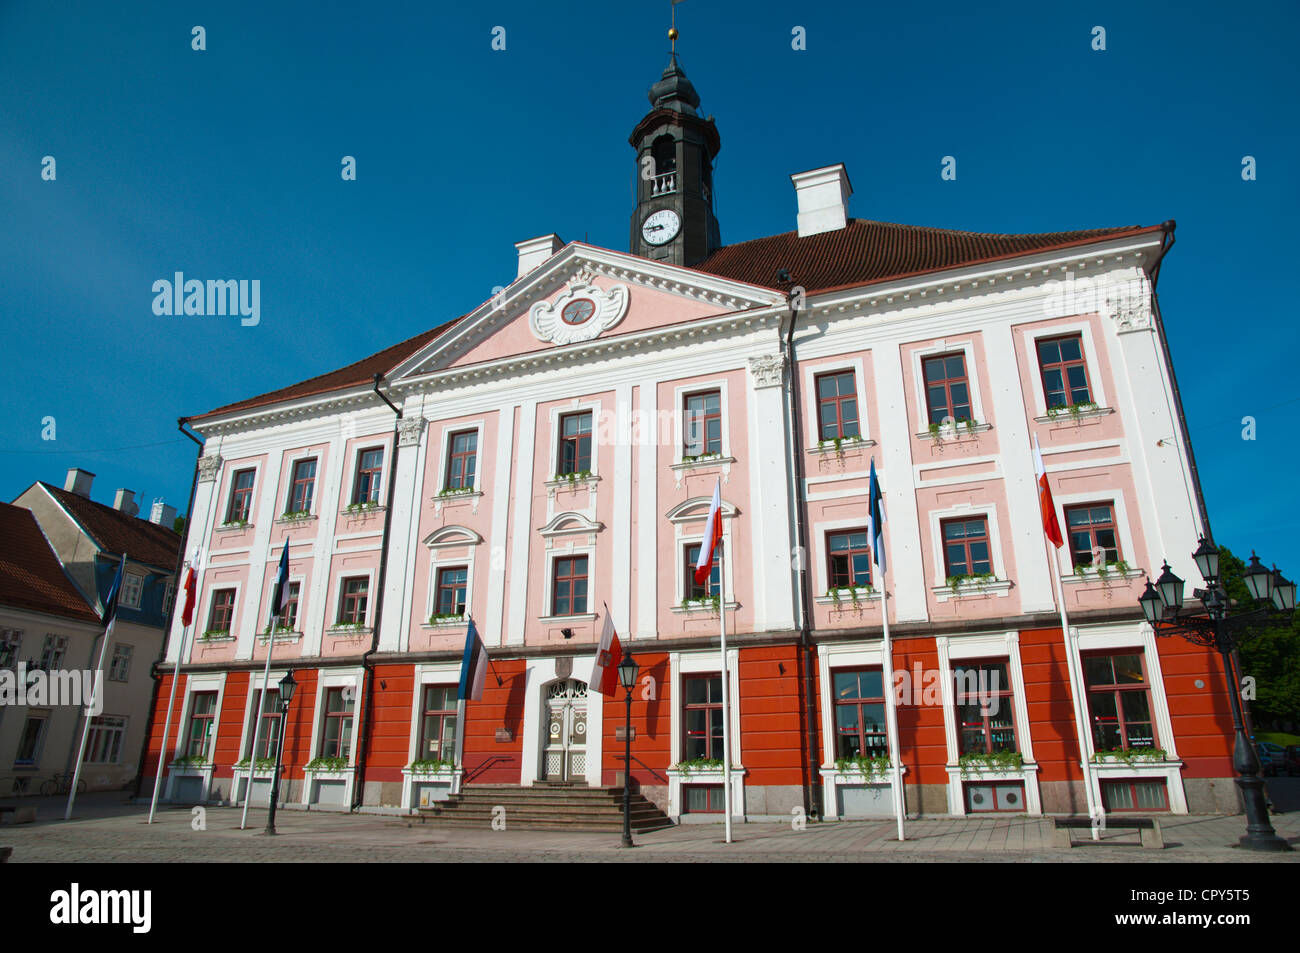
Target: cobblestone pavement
107, 830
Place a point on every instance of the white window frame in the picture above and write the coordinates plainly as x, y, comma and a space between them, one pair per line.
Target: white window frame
231, 470
213, 589
370, 597
93, 740
256, 682
966, 511
193, 686
315, 486
812, 406
821, 552
448, 430
680, 394
43, 715
12, 639
350, 678
1064, 562
169, 596
966, 345
704, 662
549, 587
1090, 356
362, 446
57, 646
575, 407
132, 588
682, 538
117, 658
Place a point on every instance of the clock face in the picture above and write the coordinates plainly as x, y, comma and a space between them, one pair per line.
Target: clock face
661, 227
577, 312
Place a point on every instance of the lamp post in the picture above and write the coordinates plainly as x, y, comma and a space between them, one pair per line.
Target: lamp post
287, 687
627, 670
1162, 604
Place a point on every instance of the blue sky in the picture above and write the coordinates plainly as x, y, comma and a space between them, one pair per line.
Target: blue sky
225, 164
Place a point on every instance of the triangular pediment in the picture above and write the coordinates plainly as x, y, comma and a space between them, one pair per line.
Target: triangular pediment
579, 296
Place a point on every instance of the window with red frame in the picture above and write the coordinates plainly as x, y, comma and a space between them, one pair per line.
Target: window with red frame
1092, 529
837, 406
267, 706
370, 469
859, 714
451, 590
575, 444
291, 606
222, 610
850, 559
947, 390
1119, 700
569, 592
702, 432
241, 496
302, 487
985, 717
713, 587
352, 602
1065, 373
336, 734
1134, 795
702, 799
462, 460
702, 715
966, 547
438, 724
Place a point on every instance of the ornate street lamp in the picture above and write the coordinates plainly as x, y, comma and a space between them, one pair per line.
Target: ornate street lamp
288, 685
627, 670
1216, 629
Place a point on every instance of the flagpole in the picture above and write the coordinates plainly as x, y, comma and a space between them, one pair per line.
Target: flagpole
167, 726
1076, 691
726, 709
97, 677
891, 714
261, 703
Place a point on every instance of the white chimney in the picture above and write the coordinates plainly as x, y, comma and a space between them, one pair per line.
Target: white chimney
78, 481
823, 196
162, 514
124, 502
534, 251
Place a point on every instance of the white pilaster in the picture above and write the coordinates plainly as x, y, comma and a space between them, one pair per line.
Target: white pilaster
902, 527
621, 581
496, 605
524, 463
769, 494
647, 521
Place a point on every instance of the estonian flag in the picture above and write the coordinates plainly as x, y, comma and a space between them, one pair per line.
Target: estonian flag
280, 598
473, 667
876, 513
114, 590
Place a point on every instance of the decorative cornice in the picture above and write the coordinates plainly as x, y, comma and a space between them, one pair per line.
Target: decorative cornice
209, 468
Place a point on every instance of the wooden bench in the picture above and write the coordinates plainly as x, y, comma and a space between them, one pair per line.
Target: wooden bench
1147, 827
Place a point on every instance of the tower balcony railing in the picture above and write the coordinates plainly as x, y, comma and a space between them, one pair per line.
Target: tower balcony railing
665, 184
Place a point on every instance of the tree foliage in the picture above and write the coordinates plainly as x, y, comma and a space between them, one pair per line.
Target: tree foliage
1271, 655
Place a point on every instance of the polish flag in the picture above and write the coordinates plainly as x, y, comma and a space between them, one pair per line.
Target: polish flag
1048, 509
604, 674
190, 585
712, 534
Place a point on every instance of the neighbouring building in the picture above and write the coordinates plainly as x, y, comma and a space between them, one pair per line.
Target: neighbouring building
554, 460
73, 556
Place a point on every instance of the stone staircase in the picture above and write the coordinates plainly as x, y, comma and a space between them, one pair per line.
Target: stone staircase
545, 806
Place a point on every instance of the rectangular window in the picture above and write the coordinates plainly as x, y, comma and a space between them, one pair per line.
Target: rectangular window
451, 590
370, 468
104, 744
119, 670
703, 799
947, 392
850, 559
222, 611
132, 586
302, 487
169, 596
1065, 373
987, 798
336, 738
438, 724
1119, 701
1092, 530
985, 718
702, 424
353, 597
53, 652
575, 444
1133, 795
290, 619
203, 711
569, 593
266, 705
29, 742
11, 640
860, 714
837, 406
241, 496
462, 460
966, 547
702, 714
713, 587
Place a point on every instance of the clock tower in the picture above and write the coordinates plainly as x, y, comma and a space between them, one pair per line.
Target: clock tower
674, 219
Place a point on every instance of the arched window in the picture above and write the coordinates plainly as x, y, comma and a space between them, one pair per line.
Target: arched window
664, 150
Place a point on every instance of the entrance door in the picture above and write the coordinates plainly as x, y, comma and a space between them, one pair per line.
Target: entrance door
565, 755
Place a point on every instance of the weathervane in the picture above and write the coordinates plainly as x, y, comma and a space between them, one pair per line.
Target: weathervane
672, 30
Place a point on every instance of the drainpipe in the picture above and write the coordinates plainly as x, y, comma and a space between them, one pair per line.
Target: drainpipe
812, 790
368, 679
176, 595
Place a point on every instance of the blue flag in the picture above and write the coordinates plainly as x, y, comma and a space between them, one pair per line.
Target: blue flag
280, 598
876, 511
473, 667
114, 590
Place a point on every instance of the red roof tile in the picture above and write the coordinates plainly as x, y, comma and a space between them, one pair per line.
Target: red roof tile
115, 532
864, 252
30, 574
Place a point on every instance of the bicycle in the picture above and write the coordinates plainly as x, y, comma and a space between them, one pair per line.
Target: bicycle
61, 784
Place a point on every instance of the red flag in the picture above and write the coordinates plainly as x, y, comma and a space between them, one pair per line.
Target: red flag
187, 613
712, 533
1048, 508
604, 675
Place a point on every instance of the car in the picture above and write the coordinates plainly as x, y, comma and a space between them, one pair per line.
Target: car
1275, 750
1291, 761
1267, 766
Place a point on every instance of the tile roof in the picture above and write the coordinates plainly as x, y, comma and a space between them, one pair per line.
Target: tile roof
115, 532
355, 374
865, 252
30, 574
